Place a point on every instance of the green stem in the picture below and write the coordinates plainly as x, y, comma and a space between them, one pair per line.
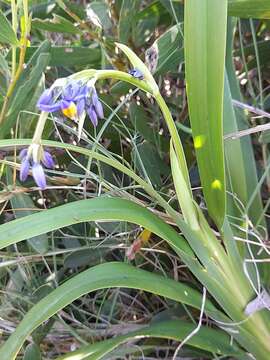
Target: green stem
175, 138
40, 127
14, 26
143, 85
21, 63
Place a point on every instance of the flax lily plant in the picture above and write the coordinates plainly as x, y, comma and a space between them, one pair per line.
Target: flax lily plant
232, 298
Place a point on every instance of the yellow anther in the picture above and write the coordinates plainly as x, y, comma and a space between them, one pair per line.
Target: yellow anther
216, 184
199, 141
71, 111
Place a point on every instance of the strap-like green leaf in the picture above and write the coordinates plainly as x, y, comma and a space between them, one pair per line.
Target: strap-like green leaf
98, 209
205, 42
99, 277
211, 340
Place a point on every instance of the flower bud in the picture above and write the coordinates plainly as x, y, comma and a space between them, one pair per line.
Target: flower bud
25, 166
39, 175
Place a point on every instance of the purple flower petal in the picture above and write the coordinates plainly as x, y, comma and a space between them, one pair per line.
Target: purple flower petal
92, 115
65, 104
97, 104
23, 154
80, 107
50, 108
71, 91
84, 90
99, 109
48, 160
25, 166
39, 175
82, 94
45, 98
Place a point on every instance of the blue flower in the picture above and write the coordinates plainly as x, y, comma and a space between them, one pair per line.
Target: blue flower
25, 167
31, 159
94, 107
136, 73
39, 175
73, 100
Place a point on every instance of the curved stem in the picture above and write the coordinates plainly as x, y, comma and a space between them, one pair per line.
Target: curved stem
175, 138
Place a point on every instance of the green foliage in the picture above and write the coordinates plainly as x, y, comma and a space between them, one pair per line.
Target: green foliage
126, 234
7, 34
205, 32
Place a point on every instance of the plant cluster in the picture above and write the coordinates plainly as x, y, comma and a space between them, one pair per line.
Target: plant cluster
134, 202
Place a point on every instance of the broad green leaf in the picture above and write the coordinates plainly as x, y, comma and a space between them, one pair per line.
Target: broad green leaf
66, 7
250, 55
175, 8
56, 24
28, 120
42, 9
167, 51
249, 8
214, 341
25, 86
7, 34
69, 56
205, 41
99, 277
98, 13
25, 93
144, 23
126, 17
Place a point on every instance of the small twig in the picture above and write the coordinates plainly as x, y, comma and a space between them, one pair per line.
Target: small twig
251, 108
253, 130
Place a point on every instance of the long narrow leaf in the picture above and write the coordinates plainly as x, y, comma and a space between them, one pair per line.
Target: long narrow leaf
98, 209
211, 340
205, 39
99, 277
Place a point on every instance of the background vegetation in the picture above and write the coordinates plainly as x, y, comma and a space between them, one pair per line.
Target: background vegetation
134, 247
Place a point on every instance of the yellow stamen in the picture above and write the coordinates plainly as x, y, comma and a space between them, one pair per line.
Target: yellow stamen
71, 111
